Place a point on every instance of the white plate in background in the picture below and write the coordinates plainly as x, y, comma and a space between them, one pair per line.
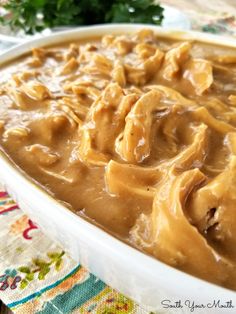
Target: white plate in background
175, 19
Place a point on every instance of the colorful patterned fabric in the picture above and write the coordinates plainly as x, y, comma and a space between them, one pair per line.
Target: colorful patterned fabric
37, 276
216, 16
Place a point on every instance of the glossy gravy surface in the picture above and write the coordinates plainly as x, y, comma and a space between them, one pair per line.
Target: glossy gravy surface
137, 134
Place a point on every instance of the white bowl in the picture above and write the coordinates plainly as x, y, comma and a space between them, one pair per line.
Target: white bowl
138, 276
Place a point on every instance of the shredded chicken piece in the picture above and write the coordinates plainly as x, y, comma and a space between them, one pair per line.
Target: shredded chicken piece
232, 100
174, 59
130, 180
70, 66
153, 63
226, 59
217, 194
36, 90
135, 75
195, 154
168, 215
123, 45
231, 141
172, 97
42, 154
106, 116
134, 144
202, 114
145, 35
199, 73
118, 74
72, 52
16, 132
145, 50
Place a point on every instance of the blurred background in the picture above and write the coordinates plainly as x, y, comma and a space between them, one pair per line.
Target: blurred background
23, 19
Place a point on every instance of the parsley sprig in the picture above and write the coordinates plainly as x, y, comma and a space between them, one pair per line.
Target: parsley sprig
35, 15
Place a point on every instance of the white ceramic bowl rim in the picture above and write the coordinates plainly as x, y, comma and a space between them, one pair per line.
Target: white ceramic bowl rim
134, 261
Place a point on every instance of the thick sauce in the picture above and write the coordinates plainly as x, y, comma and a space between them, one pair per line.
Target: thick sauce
137, 134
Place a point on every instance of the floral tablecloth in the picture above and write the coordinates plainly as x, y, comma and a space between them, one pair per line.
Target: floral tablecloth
36, 274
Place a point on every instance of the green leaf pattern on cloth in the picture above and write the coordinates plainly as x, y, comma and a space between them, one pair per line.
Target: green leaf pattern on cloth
38, 276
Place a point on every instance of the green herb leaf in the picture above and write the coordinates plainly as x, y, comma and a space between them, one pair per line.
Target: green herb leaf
24, 269
53, 255
40, 262
43, 272
32, 16
58, 264
23, 284
29, 277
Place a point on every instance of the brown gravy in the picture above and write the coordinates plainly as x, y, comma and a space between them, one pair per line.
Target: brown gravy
138, 134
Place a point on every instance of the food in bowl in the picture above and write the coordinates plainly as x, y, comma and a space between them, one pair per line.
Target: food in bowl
137, 134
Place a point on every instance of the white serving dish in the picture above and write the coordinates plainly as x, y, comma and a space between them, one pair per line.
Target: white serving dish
136, 275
